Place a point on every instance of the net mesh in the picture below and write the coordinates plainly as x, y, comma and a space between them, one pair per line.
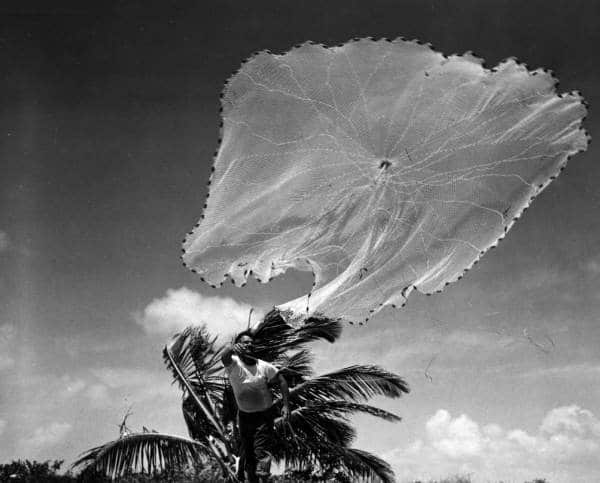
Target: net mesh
380, 166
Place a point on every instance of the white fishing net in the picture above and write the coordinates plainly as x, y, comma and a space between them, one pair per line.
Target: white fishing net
381, 166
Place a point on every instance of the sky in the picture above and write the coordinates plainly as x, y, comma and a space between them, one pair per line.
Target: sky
109, 122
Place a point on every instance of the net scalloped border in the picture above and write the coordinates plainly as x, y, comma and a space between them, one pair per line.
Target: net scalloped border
468, 55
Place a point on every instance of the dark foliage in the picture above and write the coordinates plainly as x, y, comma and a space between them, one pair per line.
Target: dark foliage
33, 471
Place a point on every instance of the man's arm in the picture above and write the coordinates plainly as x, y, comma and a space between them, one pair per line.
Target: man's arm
229, 351
285, 413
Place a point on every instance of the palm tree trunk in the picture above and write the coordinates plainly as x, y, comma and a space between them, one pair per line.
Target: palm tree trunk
210, 416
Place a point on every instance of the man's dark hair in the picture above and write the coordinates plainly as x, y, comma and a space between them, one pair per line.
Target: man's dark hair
247, 332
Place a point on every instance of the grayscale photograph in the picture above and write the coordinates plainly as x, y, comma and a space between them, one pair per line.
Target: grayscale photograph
300, 241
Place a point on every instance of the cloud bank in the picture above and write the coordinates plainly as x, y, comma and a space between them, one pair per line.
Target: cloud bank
563, 450
182, 307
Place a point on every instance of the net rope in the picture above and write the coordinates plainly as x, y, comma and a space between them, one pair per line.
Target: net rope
380, 166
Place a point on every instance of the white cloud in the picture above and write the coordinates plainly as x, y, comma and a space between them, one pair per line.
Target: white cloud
454, 437
4, 241
182, 307
564, 449
2, 426
572, 421
50, 434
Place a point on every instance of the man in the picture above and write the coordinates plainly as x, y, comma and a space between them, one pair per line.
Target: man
250, 378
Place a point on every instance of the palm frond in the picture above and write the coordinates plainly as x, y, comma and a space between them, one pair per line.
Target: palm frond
199, 427
309, 449
194, 353
271, 326
338, 463
273, 336
312, 426
345, 408
147, 453
320, 428
318, 327
295, 368
270, 336
353, 383
362, 464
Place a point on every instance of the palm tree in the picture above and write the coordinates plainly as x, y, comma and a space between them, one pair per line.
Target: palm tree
318, 435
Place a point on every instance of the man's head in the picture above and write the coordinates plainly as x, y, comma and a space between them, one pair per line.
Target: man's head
244, 336
244, 341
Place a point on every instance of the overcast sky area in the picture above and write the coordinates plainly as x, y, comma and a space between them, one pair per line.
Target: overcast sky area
108, 125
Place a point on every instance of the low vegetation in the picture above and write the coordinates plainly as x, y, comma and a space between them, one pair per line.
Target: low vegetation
26, 471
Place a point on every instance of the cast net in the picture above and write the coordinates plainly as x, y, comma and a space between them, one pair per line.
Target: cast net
380, 166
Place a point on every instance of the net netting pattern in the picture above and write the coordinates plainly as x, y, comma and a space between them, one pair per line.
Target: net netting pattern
380, 166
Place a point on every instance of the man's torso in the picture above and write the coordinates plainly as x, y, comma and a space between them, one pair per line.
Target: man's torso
249, 384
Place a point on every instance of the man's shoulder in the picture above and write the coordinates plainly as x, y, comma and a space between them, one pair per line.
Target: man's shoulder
268, 366
235, 361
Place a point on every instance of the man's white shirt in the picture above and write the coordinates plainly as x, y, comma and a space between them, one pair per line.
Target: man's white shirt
249, 384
